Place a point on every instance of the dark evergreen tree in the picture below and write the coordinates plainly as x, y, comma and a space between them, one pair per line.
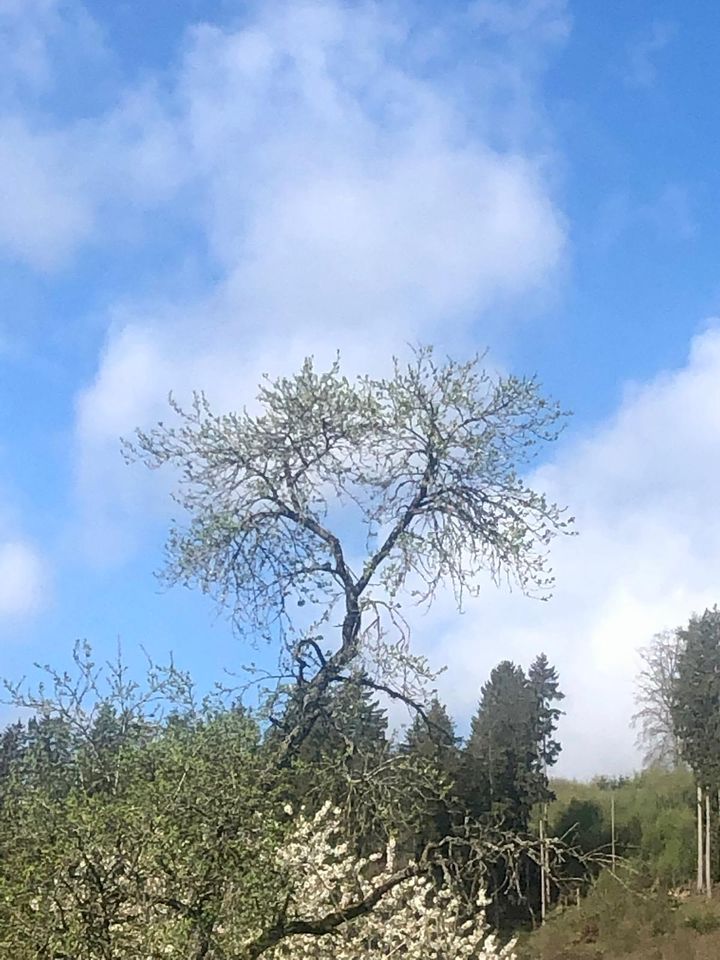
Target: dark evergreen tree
434, 738
696, 696
350, 723
342, 758
544, 683
432, 741
13, 744
501, 775
588, 824
49, 754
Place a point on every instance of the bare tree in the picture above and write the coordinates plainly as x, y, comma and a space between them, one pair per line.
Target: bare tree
654, 692
339, 496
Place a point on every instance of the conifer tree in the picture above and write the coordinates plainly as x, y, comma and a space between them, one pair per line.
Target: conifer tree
543, 680
696, 720
346, 758
434, 738
696, 697
501, 760
431, 740
350, 722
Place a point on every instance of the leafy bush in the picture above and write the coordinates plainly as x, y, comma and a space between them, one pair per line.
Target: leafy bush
618, 916
701, 917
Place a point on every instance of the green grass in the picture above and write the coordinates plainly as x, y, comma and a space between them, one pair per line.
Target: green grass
627, 920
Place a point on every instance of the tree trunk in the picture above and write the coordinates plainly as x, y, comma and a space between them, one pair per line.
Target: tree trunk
699, 840
547, 861
708, 883
543, 903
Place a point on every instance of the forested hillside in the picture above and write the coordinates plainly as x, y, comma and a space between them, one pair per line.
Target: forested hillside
142, 818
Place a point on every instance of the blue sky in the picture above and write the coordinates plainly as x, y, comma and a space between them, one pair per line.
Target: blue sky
194, 193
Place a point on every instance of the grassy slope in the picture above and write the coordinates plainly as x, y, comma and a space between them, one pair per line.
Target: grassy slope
616, 922
632, 918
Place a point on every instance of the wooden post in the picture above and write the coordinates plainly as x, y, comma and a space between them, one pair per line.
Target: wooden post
699, 840
612, 829
543, 903
547, 860
708, 882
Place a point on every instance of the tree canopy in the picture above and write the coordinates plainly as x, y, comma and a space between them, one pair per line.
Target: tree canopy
424, 467
696, 696
138, 821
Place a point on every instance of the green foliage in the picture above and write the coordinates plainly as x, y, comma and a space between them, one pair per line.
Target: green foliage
544, 683
588, 824
432, 744
696, 696
134, 821
654, 815
433, 736
502, 772
618, 918
701, 916
628, 919
348, 760
434, 452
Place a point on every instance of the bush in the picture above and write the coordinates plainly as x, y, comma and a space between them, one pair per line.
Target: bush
701, 917
617, 917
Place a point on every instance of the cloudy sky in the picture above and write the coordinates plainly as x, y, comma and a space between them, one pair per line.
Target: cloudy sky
193, 193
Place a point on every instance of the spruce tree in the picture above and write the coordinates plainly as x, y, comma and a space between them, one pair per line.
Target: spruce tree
544, 683
501, 776
434, 738
433, 742
696, 720
696, 696
350, 722
343, 760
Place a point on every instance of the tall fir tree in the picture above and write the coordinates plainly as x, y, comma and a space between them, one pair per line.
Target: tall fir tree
433, 742
696, 696
695, 715
545, 685
501, 778
351, 722
342, 759
435, 738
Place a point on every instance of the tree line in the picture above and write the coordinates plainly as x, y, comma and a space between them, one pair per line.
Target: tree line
678, 717
139, 820
109, 774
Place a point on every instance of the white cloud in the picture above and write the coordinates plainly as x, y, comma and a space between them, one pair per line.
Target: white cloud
43, 212
73, 175
32, 35
644, 489
350, 194
523, 17
45, 209
23, 579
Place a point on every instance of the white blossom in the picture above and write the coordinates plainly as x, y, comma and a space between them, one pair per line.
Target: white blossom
413, 920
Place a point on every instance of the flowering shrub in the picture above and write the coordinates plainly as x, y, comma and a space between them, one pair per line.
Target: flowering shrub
190, 856
354, 908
